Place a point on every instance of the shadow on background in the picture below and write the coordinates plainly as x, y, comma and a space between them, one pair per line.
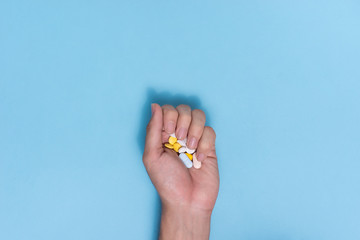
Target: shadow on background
162, 98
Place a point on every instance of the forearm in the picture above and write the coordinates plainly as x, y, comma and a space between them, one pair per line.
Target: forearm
184, 223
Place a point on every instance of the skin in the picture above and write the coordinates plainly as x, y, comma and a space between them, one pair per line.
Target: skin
187, 195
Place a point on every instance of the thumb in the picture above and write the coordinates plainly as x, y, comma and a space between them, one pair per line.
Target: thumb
153, 143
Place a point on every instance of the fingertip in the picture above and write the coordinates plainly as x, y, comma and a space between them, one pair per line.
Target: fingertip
154, 107
156, 111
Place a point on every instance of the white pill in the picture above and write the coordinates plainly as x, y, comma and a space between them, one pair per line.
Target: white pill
185, 159
182, 149
173, 135
182, 142
191, 151
196, 163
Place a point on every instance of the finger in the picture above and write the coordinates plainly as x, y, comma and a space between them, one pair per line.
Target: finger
165, 137
153, 143
196, 128
170, 118
206, 147
183, 121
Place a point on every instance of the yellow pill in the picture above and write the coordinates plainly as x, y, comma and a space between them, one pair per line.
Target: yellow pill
177, 146
189, 156
172, 140
168, 145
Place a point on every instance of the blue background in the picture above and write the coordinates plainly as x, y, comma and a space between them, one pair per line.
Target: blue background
278, 80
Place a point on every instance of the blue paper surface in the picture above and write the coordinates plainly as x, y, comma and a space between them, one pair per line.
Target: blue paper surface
278, 80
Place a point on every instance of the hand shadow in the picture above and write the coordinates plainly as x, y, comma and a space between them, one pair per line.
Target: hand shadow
162, 98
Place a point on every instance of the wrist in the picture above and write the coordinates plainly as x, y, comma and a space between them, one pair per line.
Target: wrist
184, 222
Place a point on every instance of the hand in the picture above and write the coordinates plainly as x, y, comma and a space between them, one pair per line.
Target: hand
188, 195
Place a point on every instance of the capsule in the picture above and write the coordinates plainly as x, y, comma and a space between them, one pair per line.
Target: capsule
189, 156
196, 163
185, 159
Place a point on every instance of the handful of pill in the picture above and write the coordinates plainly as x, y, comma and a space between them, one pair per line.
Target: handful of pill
187, 155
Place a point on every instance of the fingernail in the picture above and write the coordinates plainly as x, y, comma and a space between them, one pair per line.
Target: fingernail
170, 127
152, 108
181, 133
192, 143
200, 157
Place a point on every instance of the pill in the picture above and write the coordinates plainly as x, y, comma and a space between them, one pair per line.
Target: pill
172, 140
196, 163
177, 146
182, 142
185, 159
189, 156
191, 151
172, 135
182, 150
168, 145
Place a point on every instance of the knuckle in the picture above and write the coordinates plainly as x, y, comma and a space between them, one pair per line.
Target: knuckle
183, 107
148, 127
211, 131
199, 113
186, 117
167, 107
144, 157
170, 110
